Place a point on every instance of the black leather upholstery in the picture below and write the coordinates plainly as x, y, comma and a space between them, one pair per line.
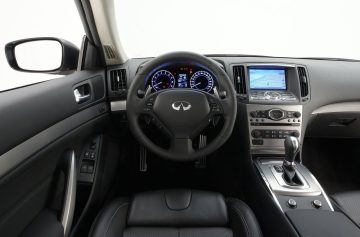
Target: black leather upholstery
177, 208
178, 213
349, 202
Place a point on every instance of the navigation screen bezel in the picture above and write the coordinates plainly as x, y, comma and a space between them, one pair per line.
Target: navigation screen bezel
268, 88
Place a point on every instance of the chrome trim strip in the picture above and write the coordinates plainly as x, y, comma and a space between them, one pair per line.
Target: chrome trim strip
70, 195
118, 105
345, 107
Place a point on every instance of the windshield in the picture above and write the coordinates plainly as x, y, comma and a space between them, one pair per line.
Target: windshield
296, 28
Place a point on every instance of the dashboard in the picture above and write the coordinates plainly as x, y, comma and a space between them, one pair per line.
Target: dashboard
312, 87
195, 77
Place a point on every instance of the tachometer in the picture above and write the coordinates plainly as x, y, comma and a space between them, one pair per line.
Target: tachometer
162, 79
202, 80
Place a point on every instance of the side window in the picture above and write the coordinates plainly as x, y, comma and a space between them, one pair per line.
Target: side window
20, 19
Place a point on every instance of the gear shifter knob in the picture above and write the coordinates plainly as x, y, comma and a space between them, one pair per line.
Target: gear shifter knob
291, 150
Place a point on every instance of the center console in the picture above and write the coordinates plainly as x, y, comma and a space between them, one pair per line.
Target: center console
275, 120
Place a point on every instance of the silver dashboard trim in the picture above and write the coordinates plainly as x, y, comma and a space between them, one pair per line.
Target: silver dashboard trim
345, 107
322, 191
268, 186
272, 146
309, 177
119, 105
278, 186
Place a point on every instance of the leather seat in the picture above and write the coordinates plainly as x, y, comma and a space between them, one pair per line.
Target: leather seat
176, 213
349, 203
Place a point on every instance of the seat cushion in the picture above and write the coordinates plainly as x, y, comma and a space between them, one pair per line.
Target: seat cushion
178, 208
349, 202
180, 213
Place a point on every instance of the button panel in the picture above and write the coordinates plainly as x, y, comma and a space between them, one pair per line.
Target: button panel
276, 114
272, 96
273, 134
89, 160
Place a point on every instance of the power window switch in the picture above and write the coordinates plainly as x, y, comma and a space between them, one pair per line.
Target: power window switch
90, 169
92, 155
87, 154
84, 168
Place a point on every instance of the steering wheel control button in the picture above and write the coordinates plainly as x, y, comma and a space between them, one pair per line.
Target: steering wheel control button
317, 204
292, 203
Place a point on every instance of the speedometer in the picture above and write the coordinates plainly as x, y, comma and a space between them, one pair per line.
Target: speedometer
162, 79
202, 80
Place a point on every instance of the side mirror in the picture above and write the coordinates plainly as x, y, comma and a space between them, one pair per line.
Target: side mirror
42, 55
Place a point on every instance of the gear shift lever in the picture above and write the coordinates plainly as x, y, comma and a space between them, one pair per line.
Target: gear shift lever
291, 150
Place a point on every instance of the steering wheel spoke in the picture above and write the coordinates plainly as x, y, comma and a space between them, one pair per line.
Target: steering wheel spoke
181, 146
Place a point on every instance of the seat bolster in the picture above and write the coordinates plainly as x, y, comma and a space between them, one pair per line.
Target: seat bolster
349, 202
112, 219
242, 220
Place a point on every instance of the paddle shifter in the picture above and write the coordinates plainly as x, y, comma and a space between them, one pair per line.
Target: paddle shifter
291, 150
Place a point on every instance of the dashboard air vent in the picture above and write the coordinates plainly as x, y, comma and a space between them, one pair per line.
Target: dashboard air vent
118, 81
239, 79
304, 81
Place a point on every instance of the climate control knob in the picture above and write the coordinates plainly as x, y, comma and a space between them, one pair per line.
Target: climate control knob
297, 114
276, 114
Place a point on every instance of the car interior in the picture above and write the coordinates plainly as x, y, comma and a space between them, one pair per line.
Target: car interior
181, 144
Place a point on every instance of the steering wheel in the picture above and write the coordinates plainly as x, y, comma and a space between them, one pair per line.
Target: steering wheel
182, 112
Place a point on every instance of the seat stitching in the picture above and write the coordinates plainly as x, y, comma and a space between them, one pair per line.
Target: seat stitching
238, 211
112, 217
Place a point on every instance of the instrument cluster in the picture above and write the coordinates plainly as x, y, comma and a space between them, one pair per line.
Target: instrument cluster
182, 76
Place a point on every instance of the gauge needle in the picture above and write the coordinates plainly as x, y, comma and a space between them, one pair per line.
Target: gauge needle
198, 84
159, 83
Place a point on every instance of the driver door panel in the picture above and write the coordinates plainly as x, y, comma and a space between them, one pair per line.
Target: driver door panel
40, 124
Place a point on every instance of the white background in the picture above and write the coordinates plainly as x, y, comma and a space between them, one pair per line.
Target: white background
295, 28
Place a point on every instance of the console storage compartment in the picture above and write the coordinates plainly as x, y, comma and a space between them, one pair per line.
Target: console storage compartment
319, 223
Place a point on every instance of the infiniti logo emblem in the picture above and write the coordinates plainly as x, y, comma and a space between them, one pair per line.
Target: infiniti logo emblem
181, 105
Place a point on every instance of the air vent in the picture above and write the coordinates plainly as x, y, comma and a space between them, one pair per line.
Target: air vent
304, 81
118, 81
239, 79
110, 52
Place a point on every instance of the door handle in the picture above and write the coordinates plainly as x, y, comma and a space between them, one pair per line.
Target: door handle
82, 93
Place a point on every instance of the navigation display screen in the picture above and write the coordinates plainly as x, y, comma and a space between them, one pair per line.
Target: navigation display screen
267, 79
